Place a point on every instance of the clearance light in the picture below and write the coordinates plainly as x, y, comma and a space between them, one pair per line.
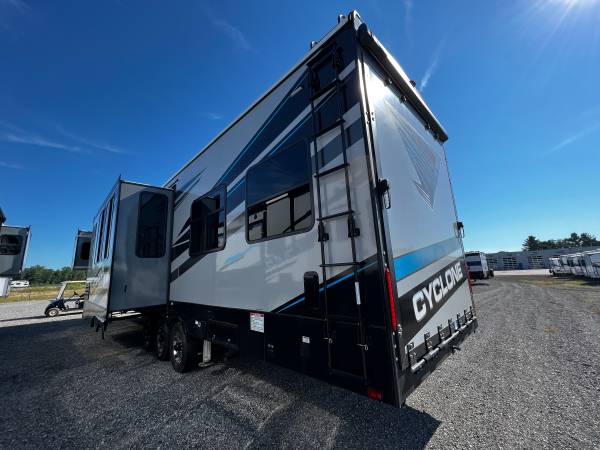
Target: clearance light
388, 279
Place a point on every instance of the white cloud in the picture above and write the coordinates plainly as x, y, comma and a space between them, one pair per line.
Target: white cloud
234, 34
92, 143
212, 115
74, 143
38, 141
573, 138
19, 5
10, 165
433, 65
408, 7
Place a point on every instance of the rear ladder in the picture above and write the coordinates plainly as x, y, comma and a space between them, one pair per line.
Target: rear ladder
332, 57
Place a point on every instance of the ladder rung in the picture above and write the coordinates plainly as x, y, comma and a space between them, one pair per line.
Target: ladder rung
347, 375
346, 320
327, 87
331, 170
341, 264
333, 216
335, 124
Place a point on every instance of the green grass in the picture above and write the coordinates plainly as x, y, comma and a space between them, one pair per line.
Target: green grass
42, 292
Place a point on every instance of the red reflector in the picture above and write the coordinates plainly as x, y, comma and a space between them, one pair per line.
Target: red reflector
388, 279
375, 394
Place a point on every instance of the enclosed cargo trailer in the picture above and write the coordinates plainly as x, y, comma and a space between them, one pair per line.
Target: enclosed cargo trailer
318, 231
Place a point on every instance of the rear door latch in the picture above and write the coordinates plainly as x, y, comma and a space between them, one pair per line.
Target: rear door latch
383, 188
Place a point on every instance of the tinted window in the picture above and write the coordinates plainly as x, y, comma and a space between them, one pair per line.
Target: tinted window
108, 239
100, 236
10, 244
208, 222
84, 251
473, 263
151, 239
278, 194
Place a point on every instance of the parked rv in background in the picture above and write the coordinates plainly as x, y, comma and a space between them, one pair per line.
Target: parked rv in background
591, 262
557, 267
19, 284
478, 266
287, 238
575, 265
2, 219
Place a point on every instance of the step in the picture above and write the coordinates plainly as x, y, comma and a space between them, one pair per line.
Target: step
336, 215
324, 89
331, 170
337, 123
340, 264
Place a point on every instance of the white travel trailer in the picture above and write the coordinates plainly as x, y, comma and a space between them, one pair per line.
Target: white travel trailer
575, 264
591, 261
478, 266
317, 231
557, 267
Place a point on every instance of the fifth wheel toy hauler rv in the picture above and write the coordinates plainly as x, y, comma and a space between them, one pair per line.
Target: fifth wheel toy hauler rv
478, 266
318, 231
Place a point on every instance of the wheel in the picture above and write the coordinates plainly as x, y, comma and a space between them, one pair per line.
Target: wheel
183, 349
162, 342
52, 312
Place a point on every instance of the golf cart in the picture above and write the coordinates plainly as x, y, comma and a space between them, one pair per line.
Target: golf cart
67, 298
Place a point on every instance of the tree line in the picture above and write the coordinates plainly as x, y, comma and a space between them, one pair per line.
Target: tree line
44, 275
574, 240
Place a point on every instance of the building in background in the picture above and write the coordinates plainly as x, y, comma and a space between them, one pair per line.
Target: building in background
534, 259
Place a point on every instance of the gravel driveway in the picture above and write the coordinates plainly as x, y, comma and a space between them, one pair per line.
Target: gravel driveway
528, 378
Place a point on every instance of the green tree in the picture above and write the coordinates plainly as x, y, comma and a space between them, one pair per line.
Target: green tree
531, 243
43, 275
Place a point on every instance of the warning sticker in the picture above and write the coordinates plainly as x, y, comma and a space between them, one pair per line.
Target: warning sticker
257, 322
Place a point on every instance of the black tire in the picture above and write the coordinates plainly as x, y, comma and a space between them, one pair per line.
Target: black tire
162, 346
52, 312
183, 350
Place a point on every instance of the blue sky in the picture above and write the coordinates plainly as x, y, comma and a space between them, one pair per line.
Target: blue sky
93, 90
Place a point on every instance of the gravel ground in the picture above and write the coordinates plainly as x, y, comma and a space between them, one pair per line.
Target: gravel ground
528, 378
29, 312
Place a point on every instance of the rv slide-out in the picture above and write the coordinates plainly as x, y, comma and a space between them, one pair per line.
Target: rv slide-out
318, 231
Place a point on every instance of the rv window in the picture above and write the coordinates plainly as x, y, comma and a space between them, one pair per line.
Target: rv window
10, 244
151, 239
208, 222
100, 236
108, 226
278, 195
84, 251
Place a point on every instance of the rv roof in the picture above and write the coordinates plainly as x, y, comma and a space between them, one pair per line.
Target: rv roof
342, 20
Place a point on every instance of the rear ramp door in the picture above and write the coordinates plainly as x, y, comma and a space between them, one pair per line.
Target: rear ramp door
420, 220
